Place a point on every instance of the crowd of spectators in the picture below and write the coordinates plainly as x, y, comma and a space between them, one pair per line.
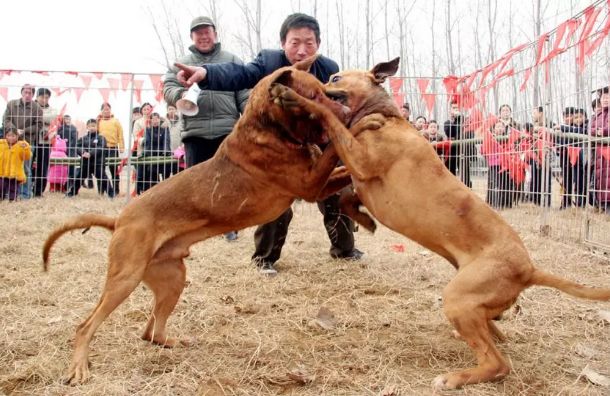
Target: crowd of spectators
56, 159
522, 159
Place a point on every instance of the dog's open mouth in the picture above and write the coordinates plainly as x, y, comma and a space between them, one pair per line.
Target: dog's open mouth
337, 95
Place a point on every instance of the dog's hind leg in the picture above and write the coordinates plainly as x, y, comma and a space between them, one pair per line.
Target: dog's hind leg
466, 305
166, 278
123, 277
350, 205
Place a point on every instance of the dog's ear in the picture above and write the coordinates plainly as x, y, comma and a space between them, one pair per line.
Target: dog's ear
305, 64
383, 70
284, 78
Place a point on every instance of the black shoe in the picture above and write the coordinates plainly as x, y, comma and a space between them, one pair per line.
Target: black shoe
264, 267
353, 254
231, 236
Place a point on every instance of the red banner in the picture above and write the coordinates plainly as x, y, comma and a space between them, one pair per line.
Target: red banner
591, 14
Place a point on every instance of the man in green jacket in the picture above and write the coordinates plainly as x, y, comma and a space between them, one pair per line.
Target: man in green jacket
203, 132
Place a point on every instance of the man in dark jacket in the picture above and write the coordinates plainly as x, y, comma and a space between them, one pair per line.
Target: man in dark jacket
300, 39
92, 150
219, 109
454, 131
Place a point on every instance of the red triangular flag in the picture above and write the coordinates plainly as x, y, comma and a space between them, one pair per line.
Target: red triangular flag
78, 92
114, 83
44, 73
395, 84
423, 83
155, 79
583, 42
125, 80
105, 92
159, 90
4, 93
450, 83
137, 88
86, 80
98, 75
429, 99
73, 73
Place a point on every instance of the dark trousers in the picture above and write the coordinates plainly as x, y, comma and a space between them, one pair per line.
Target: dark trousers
573, 178
536, 194
42, 154
269, 238
454, 163
90, 168
500, 188
8, 189
115, 177
151, 175
199, 149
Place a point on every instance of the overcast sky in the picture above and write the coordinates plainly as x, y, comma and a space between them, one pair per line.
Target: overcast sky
107, 35
117, 36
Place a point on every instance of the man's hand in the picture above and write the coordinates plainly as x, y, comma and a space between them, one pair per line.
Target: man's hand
189, 75
86, 154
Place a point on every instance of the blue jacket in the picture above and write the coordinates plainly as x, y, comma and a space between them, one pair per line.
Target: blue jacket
234, 77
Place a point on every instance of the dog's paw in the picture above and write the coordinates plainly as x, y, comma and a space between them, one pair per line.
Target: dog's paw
283, 96
78, 373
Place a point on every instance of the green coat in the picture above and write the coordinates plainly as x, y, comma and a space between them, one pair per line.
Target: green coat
218, 110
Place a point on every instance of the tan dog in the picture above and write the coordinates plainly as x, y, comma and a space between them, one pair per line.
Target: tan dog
261, 167
403, 183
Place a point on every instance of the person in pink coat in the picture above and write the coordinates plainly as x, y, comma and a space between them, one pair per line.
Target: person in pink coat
58, 174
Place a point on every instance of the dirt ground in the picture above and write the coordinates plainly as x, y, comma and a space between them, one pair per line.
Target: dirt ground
321, 327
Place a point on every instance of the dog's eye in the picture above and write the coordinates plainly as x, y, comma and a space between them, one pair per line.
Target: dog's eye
335, 79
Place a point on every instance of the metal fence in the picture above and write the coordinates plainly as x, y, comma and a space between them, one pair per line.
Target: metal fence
547, 169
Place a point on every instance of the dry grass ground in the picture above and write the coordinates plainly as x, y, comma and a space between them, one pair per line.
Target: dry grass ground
256, 335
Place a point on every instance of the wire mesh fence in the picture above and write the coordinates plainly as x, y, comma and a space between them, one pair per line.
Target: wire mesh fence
528, 133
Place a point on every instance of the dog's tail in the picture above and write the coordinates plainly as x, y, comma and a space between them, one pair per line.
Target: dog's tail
85, 221
542, 278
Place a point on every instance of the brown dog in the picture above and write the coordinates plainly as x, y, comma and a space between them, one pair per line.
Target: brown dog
403, 183
261, 167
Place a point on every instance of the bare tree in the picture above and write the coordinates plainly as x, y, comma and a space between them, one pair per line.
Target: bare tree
448, 32
434, 65
340, 20
251, 43
167, 30
369, 26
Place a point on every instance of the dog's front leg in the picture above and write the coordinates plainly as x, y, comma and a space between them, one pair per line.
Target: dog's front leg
314, 182
338, 180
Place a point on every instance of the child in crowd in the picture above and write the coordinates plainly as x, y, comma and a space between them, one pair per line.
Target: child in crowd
13, 153
58, 174
92, 150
